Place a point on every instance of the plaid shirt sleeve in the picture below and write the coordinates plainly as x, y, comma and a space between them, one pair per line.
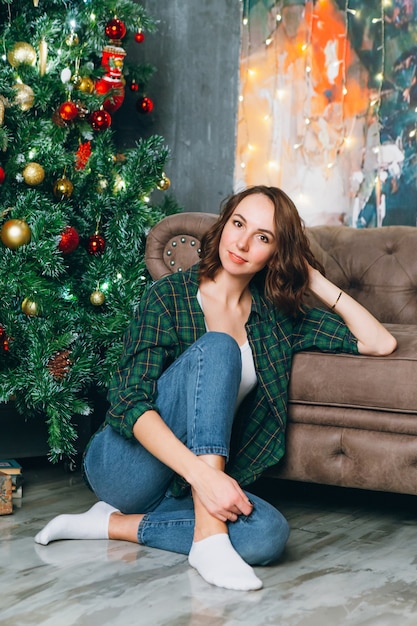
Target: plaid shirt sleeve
321, 330
150, 345
168, 321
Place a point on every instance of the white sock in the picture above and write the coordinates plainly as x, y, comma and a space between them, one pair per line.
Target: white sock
93, 524
218, 563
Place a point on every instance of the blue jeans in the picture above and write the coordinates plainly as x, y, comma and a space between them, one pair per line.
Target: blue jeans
196, 398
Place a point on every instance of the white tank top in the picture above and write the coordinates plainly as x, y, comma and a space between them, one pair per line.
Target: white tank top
248, 379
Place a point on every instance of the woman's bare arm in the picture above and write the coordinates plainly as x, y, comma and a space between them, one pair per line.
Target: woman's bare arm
219, 493
373, 338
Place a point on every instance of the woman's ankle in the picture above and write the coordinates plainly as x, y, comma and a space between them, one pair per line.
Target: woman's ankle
209, 527
124, 527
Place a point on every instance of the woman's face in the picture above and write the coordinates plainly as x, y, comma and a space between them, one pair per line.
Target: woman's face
248, 239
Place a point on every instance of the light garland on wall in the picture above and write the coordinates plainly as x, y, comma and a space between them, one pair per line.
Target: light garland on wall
329, 133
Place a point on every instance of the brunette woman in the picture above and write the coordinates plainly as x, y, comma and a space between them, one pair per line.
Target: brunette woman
198, 403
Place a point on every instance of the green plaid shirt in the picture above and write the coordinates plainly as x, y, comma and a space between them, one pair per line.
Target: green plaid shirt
170, 319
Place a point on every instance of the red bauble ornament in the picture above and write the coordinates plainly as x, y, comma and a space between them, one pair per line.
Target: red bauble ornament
100, 120
96, 244
2, 175
69, 240
68, 111
139, 37
144, 105
115, 29
134, 86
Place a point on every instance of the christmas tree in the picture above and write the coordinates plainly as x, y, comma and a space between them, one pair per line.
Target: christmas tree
75, 210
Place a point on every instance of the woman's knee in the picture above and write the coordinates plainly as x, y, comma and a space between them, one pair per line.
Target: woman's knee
266, 534
220, 345
274, 539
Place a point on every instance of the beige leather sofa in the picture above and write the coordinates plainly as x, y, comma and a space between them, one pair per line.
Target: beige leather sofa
352, 420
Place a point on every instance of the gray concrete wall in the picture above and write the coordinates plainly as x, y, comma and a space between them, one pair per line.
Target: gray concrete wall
195, 87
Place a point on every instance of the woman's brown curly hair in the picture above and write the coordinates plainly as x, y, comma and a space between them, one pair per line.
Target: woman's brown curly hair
285, 279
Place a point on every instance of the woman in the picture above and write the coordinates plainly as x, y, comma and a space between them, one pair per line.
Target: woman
195, 416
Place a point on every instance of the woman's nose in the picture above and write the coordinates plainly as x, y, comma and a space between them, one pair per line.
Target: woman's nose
243, 243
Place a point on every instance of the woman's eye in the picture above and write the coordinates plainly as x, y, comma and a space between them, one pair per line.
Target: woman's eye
237, 223
264, 238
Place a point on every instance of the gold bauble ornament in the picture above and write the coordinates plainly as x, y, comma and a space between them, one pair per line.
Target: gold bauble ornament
85, 84
164, 183
15, 233
24, 97
63, 188
30, 307
21, 53
72, 39
33, 174
97, 297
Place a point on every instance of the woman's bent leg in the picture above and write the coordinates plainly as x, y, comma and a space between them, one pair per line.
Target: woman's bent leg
258, 538
196, 398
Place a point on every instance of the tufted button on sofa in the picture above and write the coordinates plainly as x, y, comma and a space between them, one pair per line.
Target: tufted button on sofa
352, 420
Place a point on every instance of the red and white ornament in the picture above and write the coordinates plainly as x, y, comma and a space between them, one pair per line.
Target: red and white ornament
112, 82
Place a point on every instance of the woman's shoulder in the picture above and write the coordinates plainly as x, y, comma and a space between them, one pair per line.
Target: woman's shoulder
178, 281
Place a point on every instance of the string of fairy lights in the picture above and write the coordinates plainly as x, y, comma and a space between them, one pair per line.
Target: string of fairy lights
248, 150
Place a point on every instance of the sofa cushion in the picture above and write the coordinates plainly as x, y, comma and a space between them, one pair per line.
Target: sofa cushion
357, 381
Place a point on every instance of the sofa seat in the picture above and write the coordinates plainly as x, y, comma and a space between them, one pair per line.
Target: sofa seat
386, 384
352, 420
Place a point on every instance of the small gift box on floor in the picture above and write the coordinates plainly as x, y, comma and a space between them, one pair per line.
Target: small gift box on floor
6, 501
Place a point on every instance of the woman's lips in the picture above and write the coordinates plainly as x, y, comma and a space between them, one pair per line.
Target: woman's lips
235, 258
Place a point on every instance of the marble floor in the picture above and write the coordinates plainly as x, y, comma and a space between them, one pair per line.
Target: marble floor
351, 560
